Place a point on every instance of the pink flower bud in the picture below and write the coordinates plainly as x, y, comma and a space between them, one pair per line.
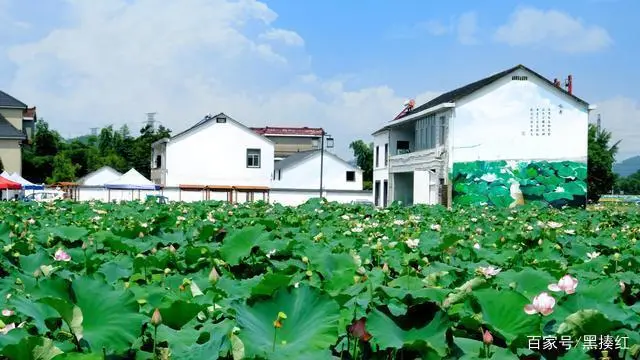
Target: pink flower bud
487, 338
156, 318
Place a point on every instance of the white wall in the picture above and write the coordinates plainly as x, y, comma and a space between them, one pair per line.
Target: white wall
288, 197
494, 123
216, 154
380, 172
306, 175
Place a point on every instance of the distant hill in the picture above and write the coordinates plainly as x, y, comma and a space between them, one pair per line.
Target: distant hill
628, 166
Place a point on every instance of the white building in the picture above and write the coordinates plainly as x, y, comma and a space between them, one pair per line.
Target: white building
509, 138
217, 151
302, 171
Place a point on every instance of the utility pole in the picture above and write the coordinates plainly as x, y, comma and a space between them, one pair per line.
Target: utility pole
329, 145
599, 123
94, 131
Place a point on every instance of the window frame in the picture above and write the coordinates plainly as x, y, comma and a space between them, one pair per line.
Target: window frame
252, 154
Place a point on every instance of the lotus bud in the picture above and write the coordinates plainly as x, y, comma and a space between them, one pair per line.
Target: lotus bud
487, 338
154, 250
156, 318
126, 285
213, 275
37, 273
616, 256
172, 249
18, 281
84, 245
540, 242
309, 273
305, 259
622, 286
385, 268
167, 271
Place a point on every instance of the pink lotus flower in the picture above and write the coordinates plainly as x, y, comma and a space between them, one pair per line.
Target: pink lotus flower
7, 312
542, 304
60, 255
567, 284
9, 327
489, 271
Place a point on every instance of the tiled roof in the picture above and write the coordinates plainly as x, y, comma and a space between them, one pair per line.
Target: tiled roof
454, 95
8, 131
8, 101
302, 131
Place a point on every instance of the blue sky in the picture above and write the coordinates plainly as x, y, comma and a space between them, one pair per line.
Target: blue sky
342, 65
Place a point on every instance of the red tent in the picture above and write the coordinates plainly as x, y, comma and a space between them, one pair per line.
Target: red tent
6, 184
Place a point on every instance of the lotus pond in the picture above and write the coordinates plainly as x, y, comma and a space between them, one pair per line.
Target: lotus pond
320, 281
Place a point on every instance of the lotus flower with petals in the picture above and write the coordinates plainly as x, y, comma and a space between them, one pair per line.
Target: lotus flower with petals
358, 330
61, 255
567, 284
489, 271
542, 304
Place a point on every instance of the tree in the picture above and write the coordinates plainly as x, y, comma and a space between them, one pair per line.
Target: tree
363, 153
629, 185
601, 178
1, 165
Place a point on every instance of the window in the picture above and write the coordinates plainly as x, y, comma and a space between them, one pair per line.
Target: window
253, 158
443, 130
377, 156
386, 154
158, 161
221, 120
376, 193
426, 133
351, 176
402, 146
519, 78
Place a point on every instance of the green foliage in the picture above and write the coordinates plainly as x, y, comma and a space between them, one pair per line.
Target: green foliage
416, 280
601, 178
506, 184
53, 159
363, 153
629, 185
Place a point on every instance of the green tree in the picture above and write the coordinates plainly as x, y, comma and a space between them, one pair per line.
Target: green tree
363, 153
629, 185
1, 165
63, 169
601, 178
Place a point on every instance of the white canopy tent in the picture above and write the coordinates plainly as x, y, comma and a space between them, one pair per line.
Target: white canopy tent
26, 184
132, 180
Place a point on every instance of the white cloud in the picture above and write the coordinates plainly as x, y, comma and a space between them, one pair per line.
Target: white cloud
467, 28
434, 27
621, 116
286, 36
552, 29
119, 59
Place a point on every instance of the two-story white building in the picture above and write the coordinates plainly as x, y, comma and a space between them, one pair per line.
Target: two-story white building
217, 151
301, 170
504, 140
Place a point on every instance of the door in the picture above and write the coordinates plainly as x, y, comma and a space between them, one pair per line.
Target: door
385, 192
376, 193
421, 187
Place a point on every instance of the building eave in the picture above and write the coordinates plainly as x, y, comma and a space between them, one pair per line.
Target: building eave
415, 116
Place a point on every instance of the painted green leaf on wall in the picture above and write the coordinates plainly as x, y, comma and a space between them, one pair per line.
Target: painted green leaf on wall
557, 183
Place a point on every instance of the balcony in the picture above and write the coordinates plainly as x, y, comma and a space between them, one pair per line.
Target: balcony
416, 160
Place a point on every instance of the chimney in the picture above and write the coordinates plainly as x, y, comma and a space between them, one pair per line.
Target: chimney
569, 84
556, 82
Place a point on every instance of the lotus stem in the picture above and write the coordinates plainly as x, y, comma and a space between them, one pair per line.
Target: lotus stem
275, 332
155, 336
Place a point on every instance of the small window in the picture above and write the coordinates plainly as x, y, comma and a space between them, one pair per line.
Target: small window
158, 161
351, 176
519, 78
377, 156
221, 120
253, 158
386, 154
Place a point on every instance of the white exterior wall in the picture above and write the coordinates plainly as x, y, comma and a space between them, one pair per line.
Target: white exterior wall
306, 175
494, 123
381, 172
285, 197
216, 154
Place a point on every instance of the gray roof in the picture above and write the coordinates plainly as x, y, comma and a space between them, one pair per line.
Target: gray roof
469, 89
8, 101
294, 159
302, 156
8, 131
